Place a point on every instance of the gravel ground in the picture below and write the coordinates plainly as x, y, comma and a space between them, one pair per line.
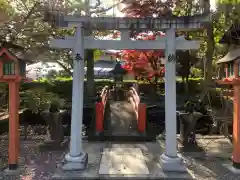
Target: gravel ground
210, 162
41, 165
34, 164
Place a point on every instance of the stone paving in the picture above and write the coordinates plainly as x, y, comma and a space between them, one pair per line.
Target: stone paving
46, 165
150, 154
122, 119
118, 160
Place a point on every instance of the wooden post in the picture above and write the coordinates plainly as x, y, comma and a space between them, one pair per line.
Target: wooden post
13, 125
226, 70
99, 117
236, 69
236, 127
142, 113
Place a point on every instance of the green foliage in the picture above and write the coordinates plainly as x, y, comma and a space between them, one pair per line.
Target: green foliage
97, 54
196, 72
62, 87
37, 99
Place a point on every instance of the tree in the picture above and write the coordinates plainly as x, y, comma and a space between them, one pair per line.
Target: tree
145, 65
52, 74
24, 31
150, 8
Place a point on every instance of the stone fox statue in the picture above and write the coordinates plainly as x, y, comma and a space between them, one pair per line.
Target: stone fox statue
54, 121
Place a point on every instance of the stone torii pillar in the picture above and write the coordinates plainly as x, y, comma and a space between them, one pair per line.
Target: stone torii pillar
169, 159
76, 159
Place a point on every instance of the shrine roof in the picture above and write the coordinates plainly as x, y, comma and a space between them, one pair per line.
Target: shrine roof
18, 55
232, 55
118, 69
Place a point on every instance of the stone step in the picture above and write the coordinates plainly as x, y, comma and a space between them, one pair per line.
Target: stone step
123, 161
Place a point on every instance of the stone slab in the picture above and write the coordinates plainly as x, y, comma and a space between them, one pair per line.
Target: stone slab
150, 153
123, 161
231, 168
122, 119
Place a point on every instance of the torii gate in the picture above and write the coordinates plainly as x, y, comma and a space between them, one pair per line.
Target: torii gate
76, 159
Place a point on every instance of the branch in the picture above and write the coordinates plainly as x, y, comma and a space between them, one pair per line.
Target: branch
24, 5
98, 3
70, 57
65, 68
10, 45
21, 24
102, 10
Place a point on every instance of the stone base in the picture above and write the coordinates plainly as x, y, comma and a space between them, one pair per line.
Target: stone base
231, 168
78, 163
189, 147
9, 172
122, 138
170, 164
99, 134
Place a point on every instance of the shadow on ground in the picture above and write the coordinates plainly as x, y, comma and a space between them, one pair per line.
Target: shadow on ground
39, 165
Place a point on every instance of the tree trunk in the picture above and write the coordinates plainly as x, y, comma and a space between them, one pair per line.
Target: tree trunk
210, 46
90, 85
65, 68
209, 53
186, 85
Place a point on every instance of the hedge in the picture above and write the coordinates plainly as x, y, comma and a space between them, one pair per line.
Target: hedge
63, 86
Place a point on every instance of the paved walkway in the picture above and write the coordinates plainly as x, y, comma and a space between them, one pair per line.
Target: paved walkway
122, 119
44, 165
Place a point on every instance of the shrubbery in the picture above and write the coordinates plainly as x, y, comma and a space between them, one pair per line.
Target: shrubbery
63, 86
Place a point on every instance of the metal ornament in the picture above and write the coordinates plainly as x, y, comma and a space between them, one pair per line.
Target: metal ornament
171, 58
78, 57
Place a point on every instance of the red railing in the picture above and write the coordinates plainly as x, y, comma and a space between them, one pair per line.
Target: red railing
139, 108
100, 109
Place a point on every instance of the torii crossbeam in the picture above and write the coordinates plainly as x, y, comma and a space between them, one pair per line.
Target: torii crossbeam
91, 43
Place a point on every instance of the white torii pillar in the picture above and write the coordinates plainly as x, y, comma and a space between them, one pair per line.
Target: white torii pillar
169, 159
76, 159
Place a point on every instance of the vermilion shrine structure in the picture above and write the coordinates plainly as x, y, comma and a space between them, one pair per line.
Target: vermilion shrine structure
12, 71
230, 65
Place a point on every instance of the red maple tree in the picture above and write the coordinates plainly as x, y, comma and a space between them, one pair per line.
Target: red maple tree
143, 63
149, 8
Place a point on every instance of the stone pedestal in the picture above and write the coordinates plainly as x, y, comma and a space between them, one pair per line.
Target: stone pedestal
55, 134
77, 163
188, 126
172, 164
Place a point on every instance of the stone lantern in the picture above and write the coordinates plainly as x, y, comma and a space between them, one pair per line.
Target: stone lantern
118, 72
12, 71
11, 67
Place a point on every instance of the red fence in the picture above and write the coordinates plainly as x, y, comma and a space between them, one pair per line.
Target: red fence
100, 109
140, 109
